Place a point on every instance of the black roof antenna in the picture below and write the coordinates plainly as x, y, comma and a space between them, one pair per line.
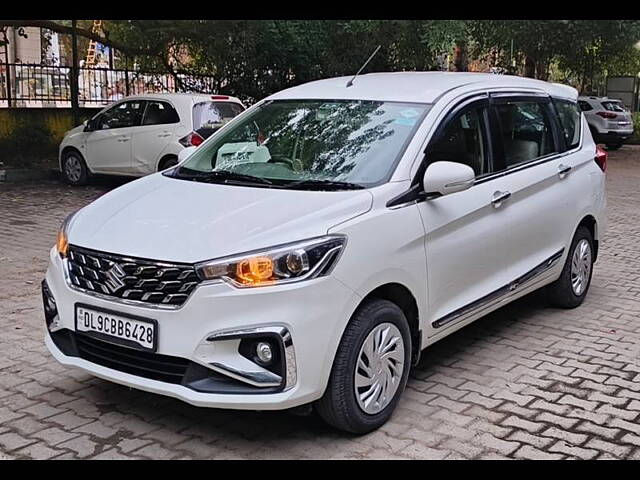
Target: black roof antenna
350, 82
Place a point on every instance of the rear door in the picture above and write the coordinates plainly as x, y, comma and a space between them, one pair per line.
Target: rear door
534, 160
150, 139
109, 146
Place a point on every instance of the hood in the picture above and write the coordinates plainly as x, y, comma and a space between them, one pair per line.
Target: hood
163, 218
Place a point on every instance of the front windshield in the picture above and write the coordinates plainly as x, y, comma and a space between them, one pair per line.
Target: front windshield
289, 143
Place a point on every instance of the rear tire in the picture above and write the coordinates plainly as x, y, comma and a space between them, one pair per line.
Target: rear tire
167, 162
382, 369
571, 288
74, 168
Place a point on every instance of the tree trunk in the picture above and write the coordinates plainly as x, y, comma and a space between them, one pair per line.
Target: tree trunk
460, 63
529, 67
542, 70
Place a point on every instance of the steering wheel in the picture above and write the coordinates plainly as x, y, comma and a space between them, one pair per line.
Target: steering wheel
295, 165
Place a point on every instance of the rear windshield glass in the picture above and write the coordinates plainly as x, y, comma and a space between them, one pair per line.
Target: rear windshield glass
210, 116
613, 106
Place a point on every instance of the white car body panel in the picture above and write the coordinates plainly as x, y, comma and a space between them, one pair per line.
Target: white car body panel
448, 252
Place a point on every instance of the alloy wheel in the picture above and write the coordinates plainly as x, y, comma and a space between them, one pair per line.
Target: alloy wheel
73, 168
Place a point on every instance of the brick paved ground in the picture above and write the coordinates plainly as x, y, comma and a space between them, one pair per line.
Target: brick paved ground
527, 381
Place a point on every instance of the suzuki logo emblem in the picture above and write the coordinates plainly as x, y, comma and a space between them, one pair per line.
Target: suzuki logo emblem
114, 278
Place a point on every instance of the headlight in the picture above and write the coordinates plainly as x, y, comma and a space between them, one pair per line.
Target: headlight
62, 241
282, 264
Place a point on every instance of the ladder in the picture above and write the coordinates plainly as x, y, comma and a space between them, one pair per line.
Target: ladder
91, 51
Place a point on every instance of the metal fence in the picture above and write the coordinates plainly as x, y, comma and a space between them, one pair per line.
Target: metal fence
32, 85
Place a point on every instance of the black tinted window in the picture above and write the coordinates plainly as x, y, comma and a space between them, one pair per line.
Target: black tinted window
612, 106
158, 113
525, 131
463, 141
584, 106
126, 114
570, 117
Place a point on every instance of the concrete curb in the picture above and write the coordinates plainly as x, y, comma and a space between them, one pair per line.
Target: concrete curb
17, 175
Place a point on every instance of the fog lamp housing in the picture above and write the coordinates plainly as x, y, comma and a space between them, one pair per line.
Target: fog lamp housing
51, 316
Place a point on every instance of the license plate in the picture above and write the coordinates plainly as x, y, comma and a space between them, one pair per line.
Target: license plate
114, 327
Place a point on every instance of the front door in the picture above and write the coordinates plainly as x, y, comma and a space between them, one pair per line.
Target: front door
109, 145
467, 232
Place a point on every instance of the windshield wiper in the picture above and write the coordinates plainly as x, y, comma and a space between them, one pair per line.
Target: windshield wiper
225, 175
323, 185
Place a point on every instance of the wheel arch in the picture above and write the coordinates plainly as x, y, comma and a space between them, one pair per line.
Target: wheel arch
400, 295
71, 148
590, 222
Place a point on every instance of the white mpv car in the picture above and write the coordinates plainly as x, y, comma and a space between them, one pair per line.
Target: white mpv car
309, 250
142, 134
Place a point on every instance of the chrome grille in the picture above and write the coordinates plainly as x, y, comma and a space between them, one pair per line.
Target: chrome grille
127, 278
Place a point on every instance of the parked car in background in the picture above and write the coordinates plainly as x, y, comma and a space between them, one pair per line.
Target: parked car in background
309, 251
142, 134
609, 121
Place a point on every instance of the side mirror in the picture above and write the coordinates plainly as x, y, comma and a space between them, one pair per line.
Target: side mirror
185, 152
86, 125
443, 178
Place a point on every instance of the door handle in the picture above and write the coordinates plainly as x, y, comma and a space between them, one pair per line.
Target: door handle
124, 139
499, 197
563, 170
161, 135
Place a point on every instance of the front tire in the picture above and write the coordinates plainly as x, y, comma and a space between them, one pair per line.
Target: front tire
571, 288
74, 168
370, 369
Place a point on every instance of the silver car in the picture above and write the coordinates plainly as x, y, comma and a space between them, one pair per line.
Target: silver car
609, 121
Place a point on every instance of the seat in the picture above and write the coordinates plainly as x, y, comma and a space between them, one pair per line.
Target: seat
517, 151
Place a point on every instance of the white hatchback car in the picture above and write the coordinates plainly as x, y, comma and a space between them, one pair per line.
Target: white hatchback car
309, 250
142, 134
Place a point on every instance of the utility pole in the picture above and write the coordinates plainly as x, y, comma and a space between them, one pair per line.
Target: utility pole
73, 84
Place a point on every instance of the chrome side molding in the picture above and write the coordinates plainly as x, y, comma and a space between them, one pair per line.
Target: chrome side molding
499, 294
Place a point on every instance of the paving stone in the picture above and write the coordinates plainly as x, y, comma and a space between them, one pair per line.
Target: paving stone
530, 453
526, 381
38, 451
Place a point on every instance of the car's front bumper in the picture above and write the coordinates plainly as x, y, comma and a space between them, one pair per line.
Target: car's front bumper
313, 312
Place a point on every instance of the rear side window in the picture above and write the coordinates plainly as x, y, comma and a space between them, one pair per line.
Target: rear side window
159, 113
569, 115
525, 131
584, 106
210, 116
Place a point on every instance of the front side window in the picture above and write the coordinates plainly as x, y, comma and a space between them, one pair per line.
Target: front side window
463, 141
126, 114
570, 117
306, 143
525, 131
159, 113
